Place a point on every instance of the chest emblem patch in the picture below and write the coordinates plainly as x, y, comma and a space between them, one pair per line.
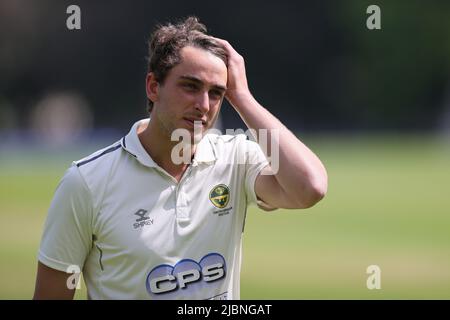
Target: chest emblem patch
220, 196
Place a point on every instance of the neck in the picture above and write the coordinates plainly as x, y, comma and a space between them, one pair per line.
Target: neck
156, 141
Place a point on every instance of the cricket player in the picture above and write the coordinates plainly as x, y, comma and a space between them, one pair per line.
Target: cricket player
150, 217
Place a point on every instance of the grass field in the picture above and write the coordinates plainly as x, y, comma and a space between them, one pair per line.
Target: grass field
388, 204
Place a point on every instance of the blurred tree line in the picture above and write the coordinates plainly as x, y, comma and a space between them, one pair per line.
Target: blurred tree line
315, 65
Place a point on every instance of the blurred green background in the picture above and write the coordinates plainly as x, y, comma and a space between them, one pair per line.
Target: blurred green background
373, 104
388, 204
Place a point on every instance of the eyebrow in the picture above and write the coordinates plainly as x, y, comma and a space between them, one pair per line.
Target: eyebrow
196, 80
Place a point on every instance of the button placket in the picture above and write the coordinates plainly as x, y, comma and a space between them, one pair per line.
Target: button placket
182, 203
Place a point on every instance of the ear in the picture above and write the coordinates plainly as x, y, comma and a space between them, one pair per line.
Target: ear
152, 87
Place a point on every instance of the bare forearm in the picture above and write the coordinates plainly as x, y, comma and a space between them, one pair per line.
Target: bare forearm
301, 179
300, 172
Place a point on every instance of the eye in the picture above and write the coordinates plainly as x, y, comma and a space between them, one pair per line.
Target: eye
215, 94
190, 86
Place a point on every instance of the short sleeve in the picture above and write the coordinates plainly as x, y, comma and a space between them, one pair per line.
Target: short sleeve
67, 235
255, 162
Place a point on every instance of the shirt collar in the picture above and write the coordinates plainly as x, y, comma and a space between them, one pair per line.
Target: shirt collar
204, 153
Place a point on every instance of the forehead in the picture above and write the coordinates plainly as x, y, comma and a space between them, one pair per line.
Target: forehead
201, 64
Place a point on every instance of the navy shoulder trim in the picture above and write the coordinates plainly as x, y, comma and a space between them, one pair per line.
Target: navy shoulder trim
99, 155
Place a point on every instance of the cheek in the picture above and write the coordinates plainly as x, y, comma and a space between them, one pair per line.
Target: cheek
183, 96
174, 101
216, 104
214, 109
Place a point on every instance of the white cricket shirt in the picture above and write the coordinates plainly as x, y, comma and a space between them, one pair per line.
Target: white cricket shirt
136, 233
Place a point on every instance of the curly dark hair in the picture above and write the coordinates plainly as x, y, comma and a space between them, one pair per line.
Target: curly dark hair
167, 41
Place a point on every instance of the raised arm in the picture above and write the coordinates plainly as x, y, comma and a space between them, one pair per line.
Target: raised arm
301, 180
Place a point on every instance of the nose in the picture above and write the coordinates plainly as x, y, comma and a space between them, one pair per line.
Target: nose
202, 103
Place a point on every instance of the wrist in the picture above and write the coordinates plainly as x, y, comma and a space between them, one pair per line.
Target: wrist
240, 98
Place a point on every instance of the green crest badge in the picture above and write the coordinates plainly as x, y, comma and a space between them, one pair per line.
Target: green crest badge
220, 195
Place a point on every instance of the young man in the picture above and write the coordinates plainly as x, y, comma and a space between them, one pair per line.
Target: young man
141, 224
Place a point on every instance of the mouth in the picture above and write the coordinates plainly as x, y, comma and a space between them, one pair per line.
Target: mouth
195, 122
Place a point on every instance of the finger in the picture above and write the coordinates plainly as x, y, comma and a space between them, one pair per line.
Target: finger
226, 44
233, 55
